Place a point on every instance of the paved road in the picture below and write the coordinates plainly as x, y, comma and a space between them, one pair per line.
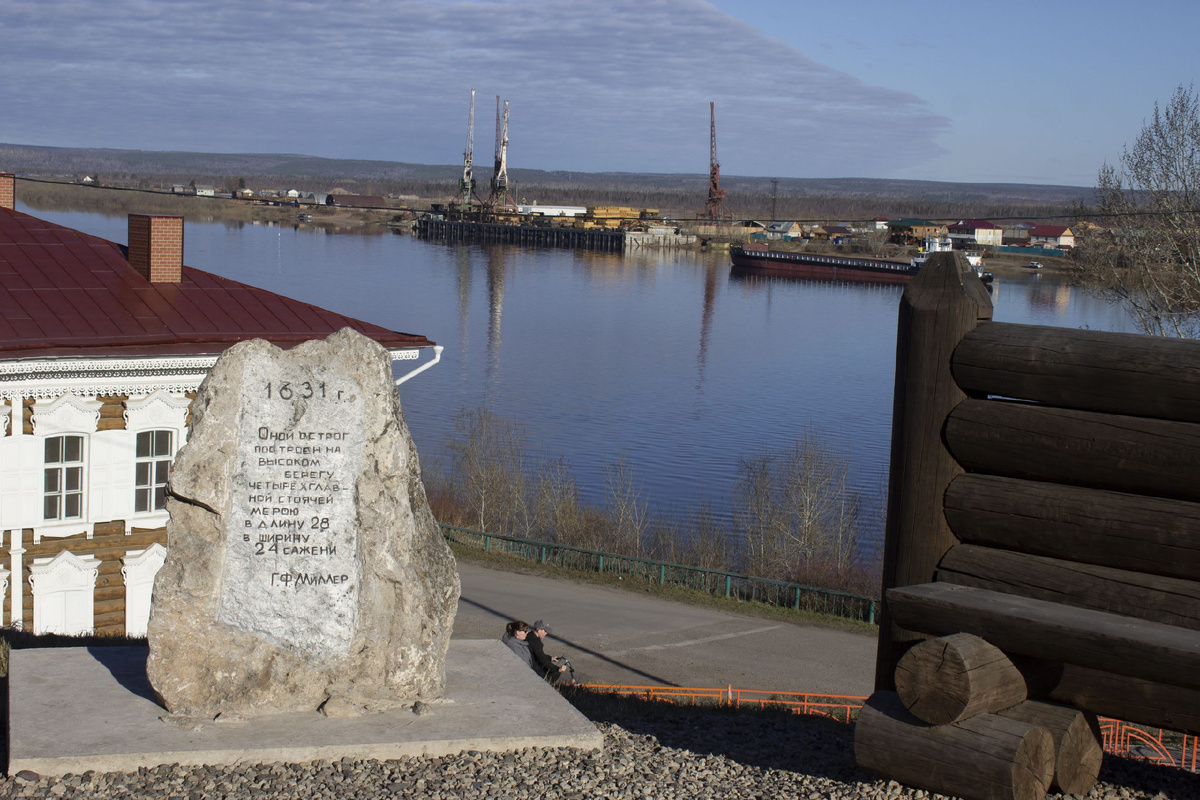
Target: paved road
617, 636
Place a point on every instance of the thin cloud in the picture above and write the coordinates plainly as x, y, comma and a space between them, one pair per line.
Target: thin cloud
614, 86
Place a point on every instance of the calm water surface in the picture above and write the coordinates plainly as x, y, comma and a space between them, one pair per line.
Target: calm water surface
660, 358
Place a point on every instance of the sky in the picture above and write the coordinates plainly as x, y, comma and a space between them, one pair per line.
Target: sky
1015, 92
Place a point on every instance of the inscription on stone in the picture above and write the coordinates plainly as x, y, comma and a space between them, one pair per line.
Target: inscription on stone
305, 569
291, 560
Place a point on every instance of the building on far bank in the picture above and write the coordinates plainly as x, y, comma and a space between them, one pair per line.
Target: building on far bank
102, 348
975, 233
1052, 236
910, 231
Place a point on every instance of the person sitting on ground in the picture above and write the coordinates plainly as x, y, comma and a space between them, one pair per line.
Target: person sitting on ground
554, 670
515, 637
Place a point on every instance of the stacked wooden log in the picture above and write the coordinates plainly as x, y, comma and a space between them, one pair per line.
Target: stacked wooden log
960, 723
1045, 499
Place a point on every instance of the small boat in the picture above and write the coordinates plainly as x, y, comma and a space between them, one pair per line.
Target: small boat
945, 245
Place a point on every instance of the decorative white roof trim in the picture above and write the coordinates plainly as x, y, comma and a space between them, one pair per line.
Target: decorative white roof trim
51, 377
67, 414
90, 377
158, 410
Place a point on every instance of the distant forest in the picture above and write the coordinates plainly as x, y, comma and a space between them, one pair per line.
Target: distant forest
677, 195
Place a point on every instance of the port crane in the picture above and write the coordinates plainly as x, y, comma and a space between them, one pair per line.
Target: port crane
499, 194
715, 208
466, 186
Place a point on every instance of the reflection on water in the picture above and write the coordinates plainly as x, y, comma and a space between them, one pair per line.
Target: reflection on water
662, 358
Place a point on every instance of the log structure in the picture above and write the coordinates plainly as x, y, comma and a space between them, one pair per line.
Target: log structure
1111, 529
1117, 373
1135, 594
945, 301
987, 757
955, 678
1045, 498
1078, 749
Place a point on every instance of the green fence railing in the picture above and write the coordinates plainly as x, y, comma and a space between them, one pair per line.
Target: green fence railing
711, 581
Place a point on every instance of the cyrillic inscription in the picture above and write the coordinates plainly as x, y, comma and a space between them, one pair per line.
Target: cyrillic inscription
292, 572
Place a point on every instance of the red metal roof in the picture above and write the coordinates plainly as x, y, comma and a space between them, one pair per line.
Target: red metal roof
66, 293
1049, 231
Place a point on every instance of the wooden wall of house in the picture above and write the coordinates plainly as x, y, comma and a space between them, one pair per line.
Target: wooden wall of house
110, 544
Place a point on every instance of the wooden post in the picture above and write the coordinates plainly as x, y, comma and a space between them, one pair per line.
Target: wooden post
1078, 750
955, 678
987, 757
944, 302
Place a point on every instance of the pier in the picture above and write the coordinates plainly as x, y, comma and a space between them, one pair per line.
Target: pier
604, 240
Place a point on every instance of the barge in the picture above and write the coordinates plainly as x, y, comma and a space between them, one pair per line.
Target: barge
757, 259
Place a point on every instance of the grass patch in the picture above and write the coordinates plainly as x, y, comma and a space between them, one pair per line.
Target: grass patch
680, 594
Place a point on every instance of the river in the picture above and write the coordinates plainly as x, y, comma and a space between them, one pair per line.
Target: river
659, 358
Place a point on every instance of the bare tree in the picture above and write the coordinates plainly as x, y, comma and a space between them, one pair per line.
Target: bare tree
1147, 254
488, 455
626, 508
558, 514
801, 518
756, 512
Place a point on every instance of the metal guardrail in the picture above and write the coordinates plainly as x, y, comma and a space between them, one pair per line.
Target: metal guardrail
715, 582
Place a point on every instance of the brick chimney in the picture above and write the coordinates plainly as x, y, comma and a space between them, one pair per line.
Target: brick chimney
8, 195
156, 247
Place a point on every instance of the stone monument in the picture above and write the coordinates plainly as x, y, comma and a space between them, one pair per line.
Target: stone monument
304, 568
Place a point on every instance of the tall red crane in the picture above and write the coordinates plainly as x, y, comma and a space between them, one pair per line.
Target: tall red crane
716, 195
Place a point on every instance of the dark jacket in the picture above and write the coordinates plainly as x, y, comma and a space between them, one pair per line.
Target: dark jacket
542, 664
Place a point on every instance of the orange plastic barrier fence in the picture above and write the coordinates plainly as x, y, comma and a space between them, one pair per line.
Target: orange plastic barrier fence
1123, 739
1119, 738
835, 706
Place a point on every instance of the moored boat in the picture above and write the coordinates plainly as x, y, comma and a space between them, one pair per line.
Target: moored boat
756, 258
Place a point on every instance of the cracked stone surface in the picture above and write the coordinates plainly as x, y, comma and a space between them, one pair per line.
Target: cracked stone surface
304, 567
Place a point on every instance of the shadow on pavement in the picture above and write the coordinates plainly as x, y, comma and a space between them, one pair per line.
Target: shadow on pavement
654, 679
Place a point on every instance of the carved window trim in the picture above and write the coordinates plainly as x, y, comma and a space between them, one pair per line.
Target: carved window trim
68, 574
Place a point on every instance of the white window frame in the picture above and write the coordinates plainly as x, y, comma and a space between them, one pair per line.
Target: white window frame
153, 462
61, 468
158, 411
64, 588
139, 567
68, 415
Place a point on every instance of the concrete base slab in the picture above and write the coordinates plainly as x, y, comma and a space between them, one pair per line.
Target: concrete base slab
79, 709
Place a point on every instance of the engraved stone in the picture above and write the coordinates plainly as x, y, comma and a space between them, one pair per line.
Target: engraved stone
304, 568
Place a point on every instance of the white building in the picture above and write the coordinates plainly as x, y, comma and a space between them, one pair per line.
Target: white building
552, 211
101, 352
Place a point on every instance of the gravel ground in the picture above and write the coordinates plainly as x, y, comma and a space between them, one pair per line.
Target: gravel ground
665, 753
